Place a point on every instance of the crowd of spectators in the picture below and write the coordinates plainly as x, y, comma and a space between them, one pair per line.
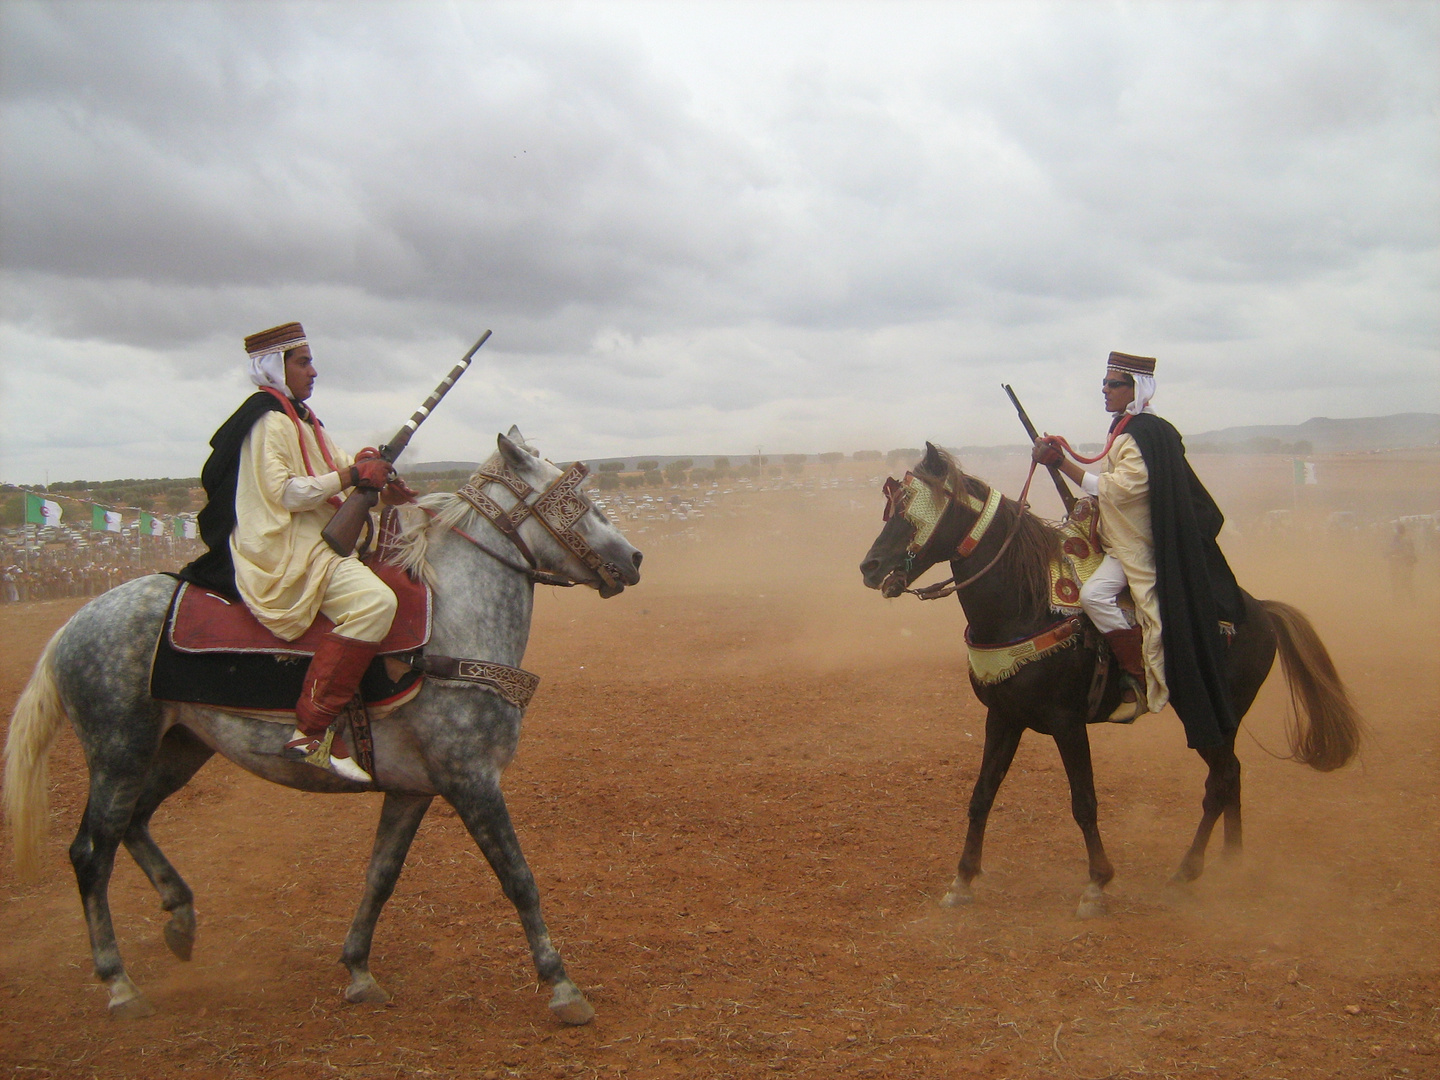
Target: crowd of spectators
68, 563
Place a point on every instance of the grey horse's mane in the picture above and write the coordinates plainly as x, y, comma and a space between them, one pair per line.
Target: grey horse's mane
429, 515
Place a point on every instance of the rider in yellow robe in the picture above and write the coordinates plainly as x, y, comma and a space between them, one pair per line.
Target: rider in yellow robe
273, 482
1159, 527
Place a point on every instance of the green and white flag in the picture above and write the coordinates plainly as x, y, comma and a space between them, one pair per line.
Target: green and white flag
102, 520
150, 525
185, 528
41, 512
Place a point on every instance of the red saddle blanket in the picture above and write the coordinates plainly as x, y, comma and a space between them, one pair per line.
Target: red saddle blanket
206, 622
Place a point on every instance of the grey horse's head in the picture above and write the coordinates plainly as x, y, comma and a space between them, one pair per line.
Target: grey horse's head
620, 560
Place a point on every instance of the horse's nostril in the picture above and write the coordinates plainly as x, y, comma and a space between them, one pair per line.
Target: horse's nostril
638, 557
869, 566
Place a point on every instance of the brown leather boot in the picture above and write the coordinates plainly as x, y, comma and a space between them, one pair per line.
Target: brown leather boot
332, 680
1128, 645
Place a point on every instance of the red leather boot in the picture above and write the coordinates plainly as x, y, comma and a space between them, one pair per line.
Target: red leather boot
331, 681
1128, 645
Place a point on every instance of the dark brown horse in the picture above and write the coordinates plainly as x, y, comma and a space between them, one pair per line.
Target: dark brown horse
1007, 601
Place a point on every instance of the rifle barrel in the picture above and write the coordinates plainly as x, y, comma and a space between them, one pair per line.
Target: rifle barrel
391, 450
1061, 488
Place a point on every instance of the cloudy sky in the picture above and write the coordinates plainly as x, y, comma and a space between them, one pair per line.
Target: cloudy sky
703, 228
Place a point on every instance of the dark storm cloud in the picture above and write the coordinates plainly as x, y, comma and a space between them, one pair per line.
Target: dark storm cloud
709, 222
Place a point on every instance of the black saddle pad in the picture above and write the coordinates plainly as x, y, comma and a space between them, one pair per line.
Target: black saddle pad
254, 680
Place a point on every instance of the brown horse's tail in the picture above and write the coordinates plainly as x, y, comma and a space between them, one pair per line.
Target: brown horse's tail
1324, 727
33, 726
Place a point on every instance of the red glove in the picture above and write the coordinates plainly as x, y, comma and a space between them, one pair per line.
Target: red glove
1047, 451
368, 454
372, 474
397, 492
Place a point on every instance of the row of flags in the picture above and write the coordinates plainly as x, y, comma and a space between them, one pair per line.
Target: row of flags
47, 514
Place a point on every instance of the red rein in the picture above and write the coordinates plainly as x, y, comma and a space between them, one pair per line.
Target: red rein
1057, 440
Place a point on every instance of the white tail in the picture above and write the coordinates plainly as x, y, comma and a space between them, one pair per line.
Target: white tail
33, 727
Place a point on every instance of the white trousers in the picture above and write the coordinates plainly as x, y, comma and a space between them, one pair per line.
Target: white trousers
359, 604
1097, 596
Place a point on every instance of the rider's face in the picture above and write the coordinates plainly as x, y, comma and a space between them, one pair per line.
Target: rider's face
1119, 390
300, 372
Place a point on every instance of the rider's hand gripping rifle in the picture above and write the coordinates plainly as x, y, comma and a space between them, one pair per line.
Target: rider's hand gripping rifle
344, 528
1060, 486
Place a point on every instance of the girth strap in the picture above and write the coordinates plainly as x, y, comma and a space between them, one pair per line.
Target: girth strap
515, 685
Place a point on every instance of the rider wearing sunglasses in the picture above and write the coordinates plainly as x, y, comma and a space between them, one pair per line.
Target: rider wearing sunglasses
273, 482
1159, 527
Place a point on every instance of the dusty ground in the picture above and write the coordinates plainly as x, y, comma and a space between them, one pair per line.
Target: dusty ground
742, 790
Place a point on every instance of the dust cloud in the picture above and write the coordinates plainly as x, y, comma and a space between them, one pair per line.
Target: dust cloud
742, 788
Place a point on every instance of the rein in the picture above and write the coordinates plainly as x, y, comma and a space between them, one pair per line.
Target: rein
972, 540
1059, 441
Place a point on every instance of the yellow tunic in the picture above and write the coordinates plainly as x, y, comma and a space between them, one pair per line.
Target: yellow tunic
1124, 495
282, 564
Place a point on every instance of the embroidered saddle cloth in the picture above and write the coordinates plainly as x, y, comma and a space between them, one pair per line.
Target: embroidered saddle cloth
213, 651
1080, 556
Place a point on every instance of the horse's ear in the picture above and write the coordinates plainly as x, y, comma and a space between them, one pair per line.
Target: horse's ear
933, 463
514, 434
510, 450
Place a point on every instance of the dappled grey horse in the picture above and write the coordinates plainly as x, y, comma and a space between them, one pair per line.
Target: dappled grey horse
453, 739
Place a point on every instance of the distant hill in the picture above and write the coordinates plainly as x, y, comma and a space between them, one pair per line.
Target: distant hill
1325, 436
1318, 435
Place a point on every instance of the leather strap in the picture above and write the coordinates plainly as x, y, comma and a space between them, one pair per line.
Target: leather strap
982, 523
515, 685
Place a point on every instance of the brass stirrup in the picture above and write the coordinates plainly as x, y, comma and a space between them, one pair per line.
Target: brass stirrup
1127, 712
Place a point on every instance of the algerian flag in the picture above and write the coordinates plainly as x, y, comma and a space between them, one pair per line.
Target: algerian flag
102, 520
41, 512
185, 528
150, 525
1305, 472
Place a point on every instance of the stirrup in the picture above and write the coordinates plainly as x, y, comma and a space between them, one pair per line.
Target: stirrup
1127, 712
315, 750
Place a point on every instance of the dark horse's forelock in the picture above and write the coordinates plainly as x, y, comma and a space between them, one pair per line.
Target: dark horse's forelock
1027, 560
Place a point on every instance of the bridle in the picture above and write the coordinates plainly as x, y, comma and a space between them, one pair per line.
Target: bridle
902, 496
558, 507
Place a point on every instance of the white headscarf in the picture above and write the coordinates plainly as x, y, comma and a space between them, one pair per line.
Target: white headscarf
268, 369
1144, 391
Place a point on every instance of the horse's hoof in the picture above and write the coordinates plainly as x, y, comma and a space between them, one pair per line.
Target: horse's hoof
126, 1001
955, 898
569, 1004
364, 990
1092, 904
180, 934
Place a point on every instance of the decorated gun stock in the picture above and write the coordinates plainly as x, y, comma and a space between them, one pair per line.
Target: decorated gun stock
345, 527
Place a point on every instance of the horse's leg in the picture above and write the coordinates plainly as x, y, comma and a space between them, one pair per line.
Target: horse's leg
399, 819
1222, 795
180, 757
1234, 838
1074, 745
482, 808
108, 811
1002, 739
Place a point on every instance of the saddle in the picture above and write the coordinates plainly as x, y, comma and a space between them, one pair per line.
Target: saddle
213, 651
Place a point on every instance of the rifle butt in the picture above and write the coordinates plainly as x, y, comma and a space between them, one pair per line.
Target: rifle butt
343, 530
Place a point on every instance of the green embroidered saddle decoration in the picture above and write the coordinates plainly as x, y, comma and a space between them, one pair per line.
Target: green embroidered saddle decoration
1079, 556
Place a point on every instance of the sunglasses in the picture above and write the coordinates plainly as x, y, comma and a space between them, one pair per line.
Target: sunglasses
1114, 384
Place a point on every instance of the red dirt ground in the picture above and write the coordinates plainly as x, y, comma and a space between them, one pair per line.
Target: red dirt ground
742, 789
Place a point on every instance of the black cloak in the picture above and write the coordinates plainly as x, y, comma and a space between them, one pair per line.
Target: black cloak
215, 570
1194, 585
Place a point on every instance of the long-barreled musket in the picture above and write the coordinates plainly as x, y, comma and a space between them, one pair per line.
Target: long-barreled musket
1060, 486
343, 530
